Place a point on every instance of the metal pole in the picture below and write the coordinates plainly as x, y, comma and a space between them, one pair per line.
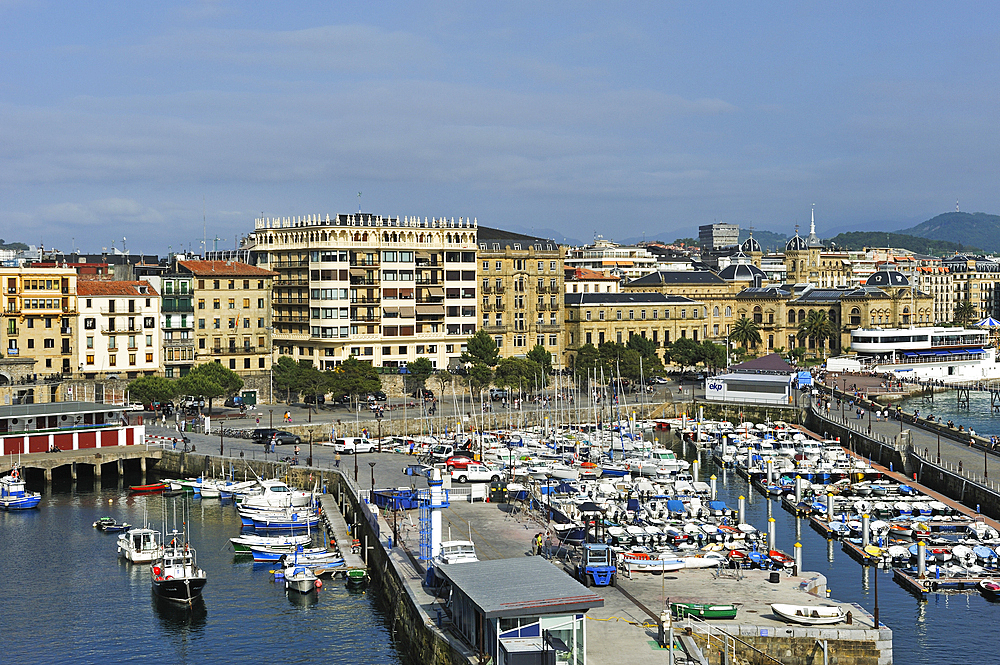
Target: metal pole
939, 447
372, 465
310, 449
876, 598
743, 509
270, 422
379, 420
355, 464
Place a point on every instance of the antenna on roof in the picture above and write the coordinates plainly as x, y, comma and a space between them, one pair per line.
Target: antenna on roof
359, 201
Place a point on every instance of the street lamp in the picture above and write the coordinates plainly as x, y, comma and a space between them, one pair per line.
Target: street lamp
372, 465
270, 422
939, 447
355, 463
378, 419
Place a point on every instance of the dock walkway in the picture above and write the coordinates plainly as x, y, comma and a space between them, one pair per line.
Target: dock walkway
337, 531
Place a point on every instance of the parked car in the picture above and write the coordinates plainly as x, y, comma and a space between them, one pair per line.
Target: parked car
460, 460
476, 473
262, 435
426, 393
499, 393
378, 395
233, 401
657, 380
353, 445
281, 437
314, 399
135, 406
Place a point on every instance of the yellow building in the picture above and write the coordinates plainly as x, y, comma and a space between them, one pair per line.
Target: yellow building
40, 316
717, 294
521, 281
233, 313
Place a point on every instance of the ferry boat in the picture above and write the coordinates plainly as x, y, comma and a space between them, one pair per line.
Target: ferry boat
951, 355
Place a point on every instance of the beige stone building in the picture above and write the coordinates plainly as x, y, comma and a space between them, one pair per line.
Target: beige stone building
232, 302
521, 281
40, 318
119, 331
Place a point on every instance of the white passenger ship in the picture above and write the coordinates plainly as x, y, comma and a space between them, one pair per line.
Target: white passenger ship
952, 355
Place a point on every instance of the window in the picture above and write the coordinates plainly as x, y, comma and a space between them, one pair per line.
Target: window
90, 359
113, 360
112, 342
89, 324
260, 303
131, 359
201, 303
232, 303
201, 324
486, 266
90, 342
246, 303
216, 304
588, 315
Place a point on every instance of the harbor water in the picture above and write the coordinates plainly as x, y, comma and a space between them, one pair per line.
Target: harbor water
69, 599
947, 628
978, 414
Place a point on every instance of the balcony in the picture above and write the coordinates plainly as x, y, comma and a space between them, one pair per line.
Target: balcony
495, 330
277, 265
291, 281
233, 350
365, 319
498, 289
291, 301
364, 263
548, 327
177, 309
66, 330
289, 318
374, 300
363, 281
428, 282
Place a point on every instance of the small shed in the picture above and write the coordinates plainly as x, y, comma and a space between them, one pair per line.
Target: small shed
522, 611
750, 388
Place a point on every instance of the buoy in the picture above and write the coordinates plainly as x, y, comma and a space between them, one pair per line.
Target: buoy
319, 584
111, 501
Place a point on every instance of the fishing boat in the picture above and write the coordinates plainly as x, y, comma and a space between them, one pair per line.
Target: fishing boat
456, 551
111, 525
812, 615
263, 553
140, 545
13, 495
175, 573
151, 488
300, 578
703, 611
357, 577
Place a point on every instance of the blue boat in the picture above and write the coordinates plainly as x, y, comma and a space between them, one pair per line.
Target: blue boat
263, 553
13, 495
297, 521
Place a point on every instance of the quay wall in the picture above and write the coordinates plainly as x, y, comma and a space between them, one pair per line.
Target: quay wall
803, 646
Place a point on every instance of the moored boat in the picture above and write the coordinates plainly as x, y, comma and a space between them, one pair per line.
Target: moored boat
151, 488
175, 573
140, 545
14, 496
813, 615
703, 611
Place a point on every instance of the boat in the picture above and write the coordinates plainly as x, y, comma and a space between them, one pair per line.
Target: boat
357, 577
274, 494
140, 545
926, 352
242, 544
263, 553
989, 588
703, 611
812, 615
111, 525
299, 577
13, 495
456, 551
151, 488
175, 573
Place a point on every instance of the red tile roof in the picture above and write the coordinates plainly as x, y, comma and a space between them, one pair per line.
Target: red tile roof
88, 287
588, 275
225, 269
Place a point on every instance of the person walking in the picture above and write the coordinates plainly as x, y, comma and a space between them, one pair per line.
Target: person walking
548, 545
336, 460
296, 451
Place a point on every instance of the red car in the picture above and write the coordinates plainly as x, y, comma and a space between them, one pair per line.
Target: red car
459, 461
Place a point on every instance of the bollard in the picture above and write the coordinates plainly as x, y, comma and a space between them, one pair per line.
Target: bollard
797, 555
830, 503
701, 413
865, 531
725, 448
921, 559
712, 480
798, 490
770, 472
684, 421
770, 533
743, 509
694, 469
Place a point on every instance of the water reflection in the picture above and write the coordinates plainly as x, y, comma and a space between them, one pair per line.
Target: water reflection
302, 600
179, 617
829, 550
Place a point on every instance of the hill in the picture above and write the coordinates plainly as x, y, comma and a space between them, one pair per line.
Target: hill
769, 241
978, 229
862, 239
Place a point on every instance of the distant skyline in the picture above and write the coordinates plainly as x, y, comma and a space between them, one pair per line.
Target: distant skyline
138, 120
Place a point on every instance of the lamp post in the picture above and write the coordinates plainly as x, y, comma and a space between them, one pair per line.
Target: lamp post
986, 474
939, 447
270, 421
310, 449
378, 419
372, 465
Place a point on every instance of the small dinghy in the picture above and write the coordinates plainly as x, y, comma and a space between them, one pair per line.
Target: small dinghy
703, 611
811, 615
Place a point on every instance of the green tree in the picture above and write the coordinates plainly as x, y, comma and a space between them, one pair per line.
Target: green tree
645, 347
285, 374
480, 376
964, 311
541, 356
745, 332
444, 379
713, 355
149, 389
209, 380
312, 381
818, 328
684, 352
481, 348
519, 374
417, 373
354, 377
586, 360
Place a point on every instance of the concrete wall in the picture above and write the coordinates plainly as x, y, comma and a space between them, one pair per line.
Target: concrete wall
803, 648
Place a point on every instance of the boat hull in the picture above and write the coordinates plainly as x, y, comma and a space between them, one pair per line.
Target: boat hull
179, 590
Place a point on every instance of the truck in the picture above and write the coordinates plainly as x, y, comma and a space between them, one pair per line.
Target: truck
475, 473
596, 566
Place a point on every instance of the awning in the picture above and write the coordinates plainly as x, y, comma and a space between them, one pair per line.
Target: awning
436, 310
942, 353
624, 264
358, 272
435, 290
406, 312
908, 354
390, 311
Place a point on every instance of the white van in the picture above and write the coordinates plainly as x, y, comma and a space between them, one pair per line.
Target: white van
354, 444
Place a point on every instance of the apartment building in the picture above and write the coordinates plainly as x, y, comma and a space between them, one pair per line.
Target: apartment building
585, 280
521, 280
976, 279
119, 331
387, 290
177, 318
39, 317
232, 313
613, 259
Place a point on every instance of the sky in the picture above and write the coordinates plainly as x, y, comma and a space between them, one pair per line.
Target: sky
154, 125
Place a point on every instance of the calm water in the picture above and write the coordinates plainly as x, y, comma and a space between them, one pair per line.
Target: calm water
68, 599
978, 415
946, 629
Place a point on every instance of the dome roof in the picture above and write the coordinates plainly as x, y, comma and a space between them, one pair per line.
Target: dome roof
742, 272
796, 243
750, 245
887, 278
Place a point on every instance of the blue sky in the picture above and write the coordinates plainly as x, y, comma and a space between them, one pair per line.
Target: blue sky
136, 119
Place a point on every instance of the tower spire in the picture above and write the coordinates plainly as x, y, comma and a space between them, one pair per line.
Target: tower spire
812, 221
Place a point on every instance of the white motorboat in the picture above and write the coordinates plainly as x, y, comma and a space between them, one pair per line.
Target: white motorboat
456, 551
140, 545
272, 494
301, 578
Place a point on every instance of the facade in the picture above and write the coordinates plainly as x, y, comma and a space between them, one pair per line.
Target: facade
521, 280
585, 280
595, 318
387, 290
177, 320
613, 259
232, 313
40, 317
717, 236
119, 330
976, 279
704, 286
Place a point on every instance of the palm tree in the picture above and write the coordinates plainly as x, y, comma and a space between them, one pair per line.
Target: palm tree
745, 333
964, 311
818, 328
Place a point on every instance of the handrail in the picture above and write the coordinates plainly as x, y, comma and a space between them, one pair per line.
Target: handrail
708, 635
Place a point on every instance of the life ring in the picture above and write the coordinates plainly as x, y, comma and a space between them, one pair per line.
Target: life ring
169, 577
157, 571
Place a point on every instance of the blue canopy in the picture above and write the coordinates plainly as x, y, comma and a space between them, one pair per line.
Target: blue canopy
717, 505
675, 506
988, 322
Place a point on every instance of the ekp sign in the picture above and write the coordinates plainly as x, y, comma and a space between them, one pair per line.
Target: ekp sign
714, 386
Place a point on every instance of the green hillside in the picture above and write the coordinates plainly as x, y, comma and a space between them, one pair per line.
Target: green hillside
862, 239
977, 229
769, 241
